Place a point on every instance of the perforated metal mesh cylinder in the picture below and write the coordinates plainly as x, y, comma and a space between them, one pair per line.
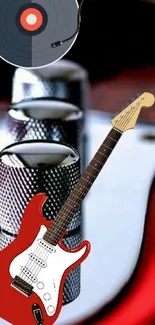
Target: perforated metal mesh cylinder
5, 239
35, 120
64, 80
31, 167
47, 120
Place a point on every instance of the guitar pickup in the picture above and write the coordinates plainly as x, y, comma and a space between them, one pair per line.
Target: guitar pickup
22, 286
28, 274
46, 246
37, 260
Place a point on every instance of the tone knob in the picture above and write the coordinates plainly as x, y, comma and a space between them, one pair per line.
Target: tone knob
40, 285
47, 296
51, 309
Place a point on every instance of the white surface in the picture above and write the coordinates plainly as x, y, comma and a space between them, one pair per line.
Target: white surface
114, 216
63, 68
41, 109
48, 276
31, 19
40, 152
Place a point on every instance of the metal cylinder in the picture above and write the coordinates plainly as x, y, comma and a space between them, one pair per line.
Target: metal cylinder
47, 120
64, 80
30, 167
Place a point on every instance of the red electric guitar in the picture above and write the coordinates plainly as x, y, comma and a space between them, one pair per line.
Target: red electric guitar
34, 267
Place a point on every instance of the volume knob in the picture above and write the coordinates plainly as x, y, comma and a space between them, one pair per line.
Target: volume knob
40, 285
47, 296
51, 309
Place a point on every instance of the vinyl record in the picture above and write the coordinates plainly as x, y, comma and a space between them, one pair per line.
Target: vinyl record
29, 27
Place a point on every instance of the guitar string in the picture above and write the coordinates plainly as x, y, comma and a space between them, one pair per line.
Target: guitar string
32, 269
30, 263
38, 248
121, 124
38, 269
97, 170
66, 209
129, 118
35, 252
121, 121
35, 268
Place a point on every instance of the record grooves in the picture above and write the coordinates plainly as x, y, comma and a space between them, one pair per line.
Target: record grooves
29, 27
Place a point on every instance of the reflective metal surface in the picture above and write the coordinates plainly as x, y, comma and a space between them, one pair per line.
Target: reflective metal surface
19, 183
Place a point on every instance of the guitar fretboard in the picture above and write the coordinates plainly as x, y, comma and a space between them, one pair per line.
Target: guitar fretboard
59, 225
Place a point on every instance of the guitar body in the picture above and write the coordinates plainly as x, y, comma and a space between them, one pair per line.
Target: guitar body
33, 272
46, 267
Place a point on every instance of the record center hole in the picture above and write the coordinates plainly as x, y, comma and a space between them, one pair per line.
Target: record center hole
31, 19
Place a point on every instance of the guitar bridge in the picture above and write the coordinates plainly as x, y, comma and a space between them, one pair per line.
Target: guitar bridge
22, 286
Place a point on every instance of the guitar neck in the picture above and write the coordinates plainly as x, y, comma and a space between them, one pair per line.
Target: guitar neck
59, 225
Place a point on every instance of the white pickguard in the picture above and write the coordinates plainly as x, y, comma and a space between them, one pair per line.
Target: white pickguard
48, 277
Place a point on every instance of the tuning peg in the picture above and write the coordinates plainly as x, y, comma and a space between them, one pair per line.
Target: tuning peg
138, 94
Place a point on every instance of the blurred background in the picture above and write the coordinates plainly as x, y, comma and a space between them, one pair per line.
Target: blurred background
116, 47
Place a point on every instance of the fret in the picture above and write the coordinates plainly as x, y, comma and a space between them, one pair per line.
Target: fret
107, 146
98, 162
86, 180
94, 168
90, 175
82, 187
76, 197
72, 201
71, 209
112, 139
117, 130
101, 153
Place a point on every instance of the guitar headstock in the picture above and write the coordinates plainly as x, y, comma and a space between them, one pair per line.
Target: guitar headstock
127, 119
